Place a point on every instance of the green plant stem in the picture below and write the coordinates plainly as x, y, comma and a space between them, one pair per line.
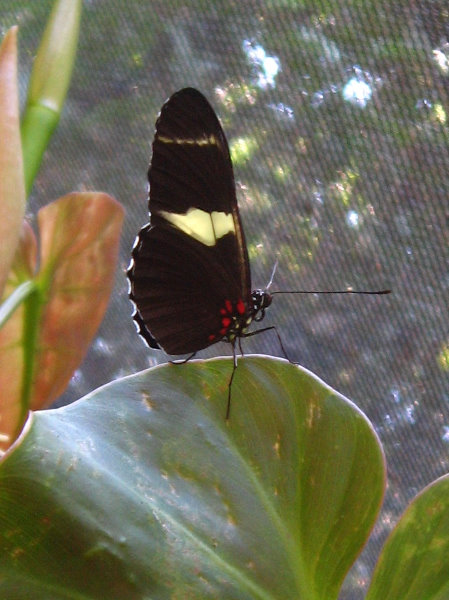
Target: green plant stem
18, 296
38, 125
31, 320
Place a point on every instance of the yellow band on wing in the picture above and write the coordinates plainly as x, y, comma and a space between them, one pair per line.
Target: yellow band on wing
201, 225
211, 140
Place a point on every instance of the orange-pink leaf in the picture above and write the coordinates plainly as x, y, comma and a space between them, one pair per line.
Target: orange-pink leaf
12, 187
79, 240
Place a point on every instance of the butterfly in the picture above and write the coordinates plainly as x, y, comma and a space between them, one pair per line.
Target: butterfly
189, 275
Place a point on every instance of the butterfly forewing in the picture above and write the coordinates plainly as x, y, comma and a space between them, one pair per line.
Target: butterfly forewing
190, 266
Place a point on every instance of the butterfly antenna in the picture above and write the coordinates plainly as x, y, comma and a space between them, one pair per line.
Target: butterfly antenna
272, 276
348, 291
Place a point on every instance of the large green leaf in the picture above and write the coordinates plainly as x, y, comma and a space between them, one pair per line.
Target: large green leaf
414, 565
144, 490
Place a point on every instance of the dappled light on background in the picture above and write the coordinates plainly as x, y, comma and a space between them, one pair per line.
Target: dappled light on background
445, 436
441, 57
283, 111
266, 67
352, 218
357, 92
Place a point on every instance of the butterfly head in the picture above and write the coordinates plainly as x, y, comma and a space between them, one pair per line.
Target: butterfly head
261, 300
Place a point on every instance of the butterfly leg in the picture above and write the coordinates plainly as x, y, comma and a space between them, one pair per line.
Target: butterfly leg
273, 328
234, 367
182, 361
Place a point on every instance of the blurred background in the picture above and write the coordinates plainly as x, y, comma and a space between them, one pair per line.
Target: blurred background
337, 118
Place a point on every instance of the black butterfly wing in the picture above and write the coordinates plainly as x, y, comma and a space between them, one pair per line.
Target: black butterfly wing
190, 263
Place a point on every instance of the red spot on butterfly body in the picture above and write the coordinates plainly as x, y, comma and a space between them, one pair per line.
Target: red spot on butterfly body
240, 307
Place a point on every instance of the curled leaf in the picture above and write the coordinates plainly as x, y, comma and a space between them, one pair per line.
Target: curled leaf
49, 82
12, 189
